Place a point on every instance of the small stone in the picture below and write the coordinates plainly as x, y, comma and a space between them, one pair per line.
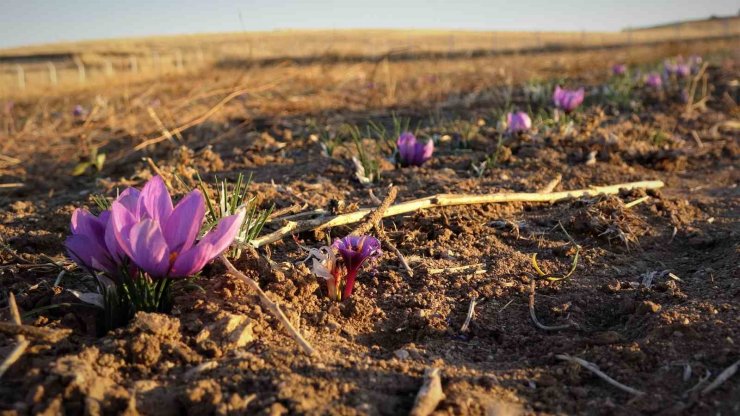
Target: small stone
402, 354
648, 306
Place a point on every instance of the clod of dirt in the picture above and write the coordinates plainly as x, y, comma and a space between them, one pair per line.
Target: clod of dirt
87, 385
153, 337
229, 331
647, 307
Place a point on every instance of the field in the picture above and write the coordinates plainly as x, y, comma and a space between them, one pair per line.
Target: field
642, 283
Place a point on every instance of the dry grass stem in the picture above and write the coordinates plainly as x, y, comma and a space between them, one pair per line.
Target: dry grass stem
444, 200
595, 369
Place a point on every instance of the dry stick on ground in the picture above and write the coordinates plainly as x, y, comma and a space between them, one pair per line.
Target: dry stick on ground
443, 200
23, 343
455, 269
551, 185
44, 334
376, 215
534, 317
387, 241
273, 307
722, 377
469, 317
430, 393
595, 369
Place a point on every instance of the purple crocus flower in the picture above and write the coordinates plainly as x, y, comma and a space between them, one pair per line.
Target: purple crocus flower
619, 69
79, 111
160, 238
568, 100
354, 250
518, 122
412, 152
683, 70
654, 80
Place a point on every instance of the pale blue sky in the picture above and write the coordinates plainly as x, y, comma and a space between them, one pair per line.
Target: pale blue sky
24, 22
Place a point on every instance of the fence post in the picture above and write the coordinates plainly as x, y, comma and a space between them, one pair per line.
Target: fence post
21, 76
108, 68
178, 61
52, 73
133, 63
81, 74
156, 61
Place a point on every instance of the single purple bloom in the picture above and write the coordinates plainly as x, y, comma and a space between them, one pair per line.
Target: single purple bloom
79, 111
412, 152
568, 100
160, 238
518, 122
682, 70
354, 250
619, 69
654, 80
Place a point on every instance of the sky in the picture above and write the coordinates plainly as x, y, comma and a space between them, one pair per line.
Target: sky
27, 22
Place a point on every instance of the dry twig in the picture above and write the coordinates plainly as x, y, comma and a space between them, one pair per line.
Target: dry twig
387, 242
477, 267
430, 393
551, 185
534, 317
595, 369
443, 200
23, 343
373, 219
273, 307
722, 377
469, 317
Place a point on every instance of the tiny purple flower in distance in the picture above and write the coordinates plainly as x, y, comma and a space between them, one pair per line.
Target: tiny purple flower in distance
412, 152
518, 122
619, 69
160, 238
79, 111
568, 100
354, 250
682, 70
654, 80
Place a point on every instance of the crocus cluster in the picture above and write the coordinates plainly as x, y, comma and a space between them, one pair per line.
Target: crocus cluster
144, 230
619, 69
412, 152
677, 67
518, 122
654, 80
568, 100
340, 272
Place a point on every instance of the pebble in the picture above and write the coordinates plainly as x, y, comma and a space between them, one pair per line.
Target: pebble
402, 354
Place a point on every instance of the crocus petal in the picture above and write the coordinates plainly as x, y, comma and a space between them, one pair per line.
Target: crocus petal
129, 198
155, 201
87, 252
217, 240
185, 221
122, 221
85, 223
149, 248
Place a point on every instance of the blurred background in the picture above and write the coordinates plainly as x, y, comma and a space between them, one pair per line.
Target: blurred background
82, 43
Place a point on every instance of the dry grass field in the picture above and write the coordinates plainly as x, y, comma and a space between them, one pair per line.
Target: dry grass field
35, 69
636, 309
